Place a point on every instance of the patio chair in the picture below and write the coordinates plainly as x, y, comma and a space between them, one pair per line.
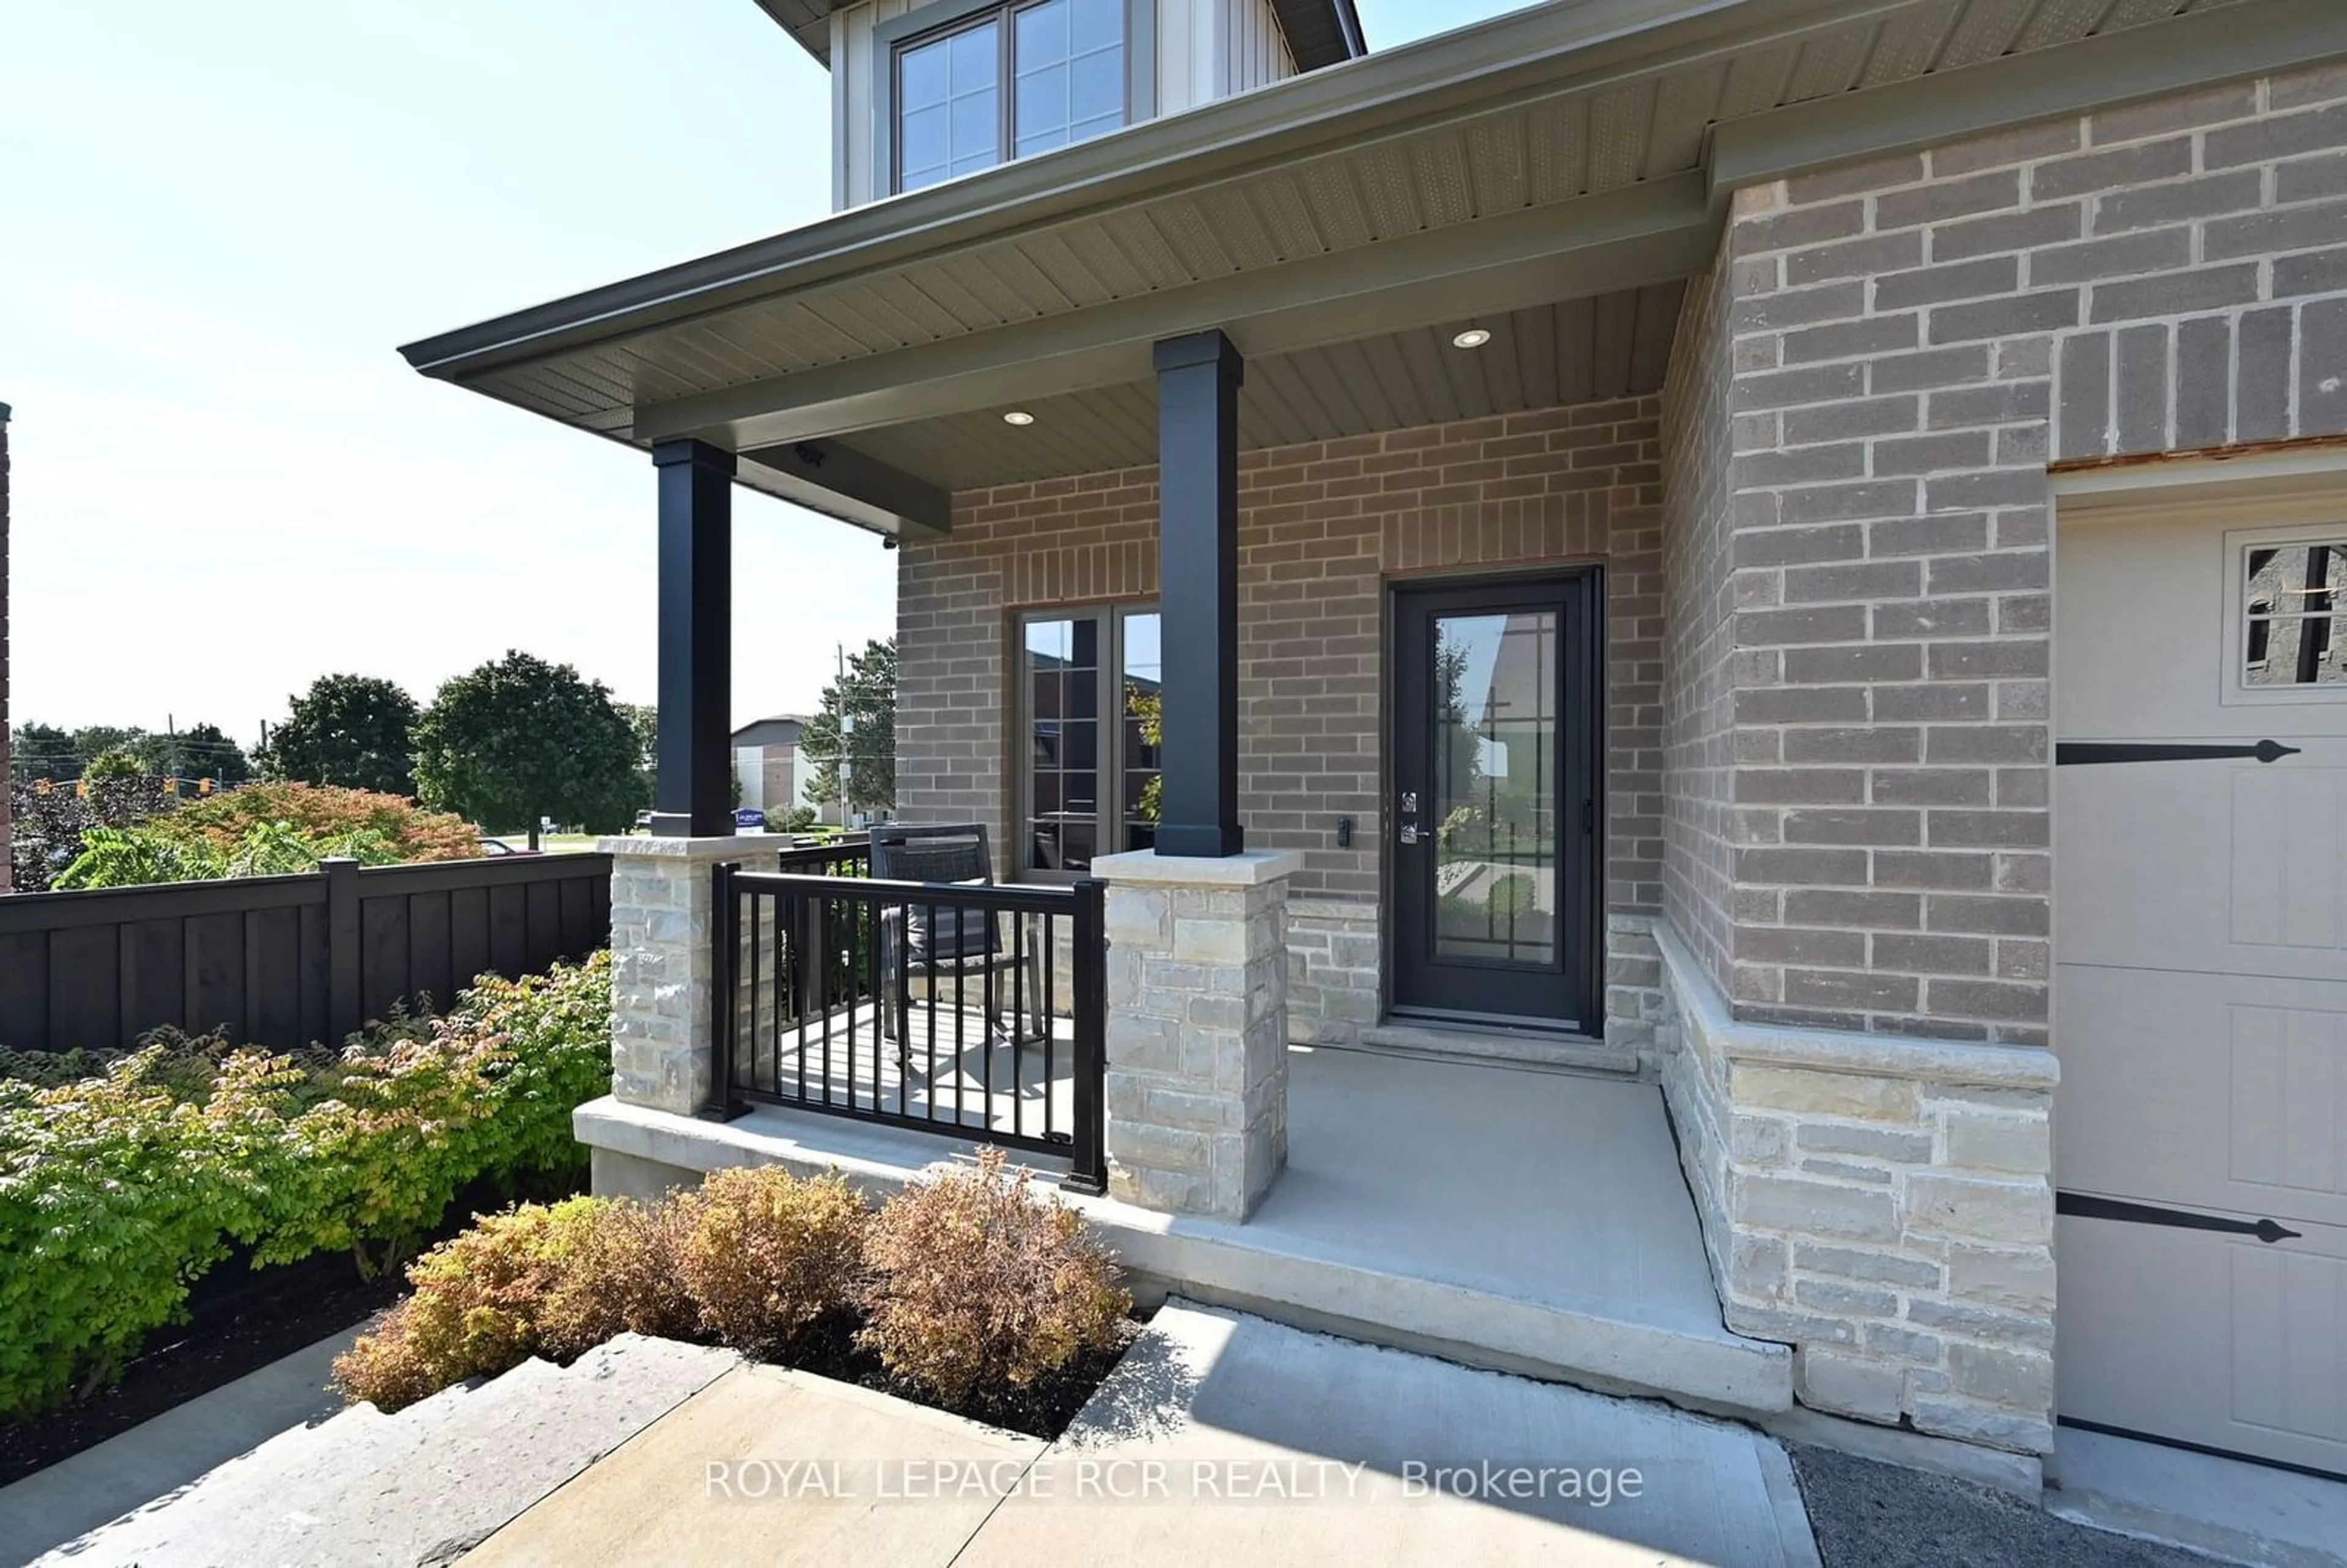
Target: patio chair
948, 942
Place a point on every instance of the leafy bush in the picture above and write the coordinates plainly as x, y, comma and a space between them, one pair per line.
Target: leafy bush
767, 1256
535, 1279
49, 819
978, 1286
326, 814
115, 762
155, 851
117, 1190
1513, 896
115, 1195
974, 1291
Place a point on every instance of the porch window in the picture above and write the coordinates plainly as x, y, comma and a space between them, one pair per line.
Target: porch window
1063, 61
1089, 683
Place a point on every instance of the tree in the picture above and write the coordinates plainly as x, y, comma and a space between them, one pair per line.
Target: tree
43, 752
518, 739
205, 752
197, 751
355, 731
867, 694
115, 762
91, 741
643, 723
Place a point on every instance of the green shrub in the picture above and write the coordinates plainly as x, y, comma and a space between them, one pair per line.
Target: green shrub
1513, 896
767, 1255
117, 1190
977, 1287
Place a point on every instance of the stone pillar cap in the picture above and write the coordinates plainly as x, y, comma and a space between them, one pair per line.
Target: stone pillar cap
1251, 869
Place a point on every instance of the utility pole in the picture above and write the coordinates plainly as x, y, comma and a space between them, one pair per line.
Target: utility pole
846, 730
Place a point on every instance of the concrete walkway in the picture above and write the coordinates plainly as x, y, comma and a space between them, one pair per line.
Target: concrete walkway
420, 1487
157, 1457
1221, 1438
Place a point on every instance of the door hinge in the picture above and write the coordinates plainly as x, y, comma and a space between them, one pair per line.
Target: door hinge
2087, 1206
1589, 816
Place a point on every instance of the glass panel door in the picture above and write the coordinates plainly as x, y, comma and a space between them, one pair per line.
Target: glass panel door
1494, 852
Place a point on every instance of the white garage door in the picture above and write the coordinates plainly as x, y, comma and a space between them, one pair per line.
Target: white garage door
2200, 992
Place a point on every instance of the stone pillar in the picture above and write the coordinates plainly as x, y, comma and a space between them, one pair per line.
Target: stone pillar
1197, 1029
663, 1040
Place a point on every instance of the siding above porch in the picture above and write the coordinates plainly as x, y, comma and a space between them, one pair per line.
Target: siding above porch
1556, 155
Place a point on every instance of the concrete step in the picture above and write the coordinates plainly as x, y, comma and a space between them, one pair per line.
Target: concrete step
1699, 1366
420, 1486
1538, 1049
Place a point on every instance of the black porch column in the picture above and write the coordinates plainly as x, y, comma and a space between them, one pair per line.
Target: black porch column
1198, 592
693, 796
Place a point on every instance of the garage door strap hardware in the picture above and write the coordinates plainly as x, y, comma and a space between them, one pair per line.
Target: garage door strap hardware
2069, 753
2084, 1206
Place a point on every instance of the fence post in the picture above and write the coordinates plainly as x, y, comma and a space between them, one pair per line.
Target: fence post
1088, 1173
724, 995
343, 941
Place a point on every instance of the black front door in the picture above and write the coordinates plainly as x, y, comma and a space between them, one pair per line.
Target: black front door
1494, 812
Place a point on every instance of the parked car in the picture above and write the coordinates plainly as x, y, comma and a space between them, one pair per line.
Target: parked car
497, 846
749, 816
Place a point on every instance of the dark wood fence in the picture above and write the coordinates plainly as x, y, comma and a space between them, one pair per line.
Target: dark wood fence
285, 961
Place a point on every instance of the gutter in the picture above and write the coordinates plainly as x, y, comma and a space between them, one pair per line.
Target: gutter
1525, 55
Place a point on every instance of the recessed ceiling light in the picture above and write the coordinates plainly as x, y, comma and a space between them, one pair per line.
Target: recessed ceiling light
1473, 337
1019, 416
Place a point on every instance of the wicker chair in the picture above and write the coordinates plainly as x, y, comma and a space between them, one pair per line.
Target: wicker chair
948, 942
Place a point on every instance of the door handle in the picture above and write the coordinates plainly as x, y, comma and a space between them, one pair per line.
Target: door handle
1406, 818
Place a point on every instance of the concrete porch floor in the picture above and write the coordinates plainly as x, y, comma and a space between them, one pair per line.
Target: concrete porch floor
1531, 1222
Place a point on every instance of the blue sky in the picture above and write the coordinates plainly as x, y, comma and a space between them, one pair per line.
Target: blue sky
218, 223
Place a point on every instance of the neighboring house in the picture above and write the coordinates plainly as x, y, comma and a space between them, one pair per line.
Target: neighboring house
1781, 489
766, 762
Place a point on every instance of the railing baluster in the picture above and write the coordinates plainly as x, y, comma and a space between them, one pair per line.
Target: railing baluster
822, 964
838, 939
1089, 930
1051, 1032
929, 1006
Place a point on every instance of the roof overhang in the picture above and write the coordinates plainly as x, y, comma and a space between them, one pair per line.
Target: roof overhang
1318, 32
1570, 152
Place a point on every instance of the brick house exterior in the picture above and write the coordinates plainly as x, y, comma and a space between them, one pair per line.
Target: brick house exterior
1324, 528
1949, 371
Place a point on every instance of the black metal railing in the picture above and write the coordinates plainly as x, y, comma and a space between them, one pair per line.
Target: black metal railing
977, 1010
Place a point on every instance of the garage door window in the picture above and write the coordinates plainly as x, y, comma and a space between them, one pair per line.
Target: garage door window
2290, 608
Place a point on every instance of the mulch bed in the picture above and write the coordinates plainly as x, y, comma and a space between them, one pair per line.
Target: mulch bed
1041, 1410
281, 1310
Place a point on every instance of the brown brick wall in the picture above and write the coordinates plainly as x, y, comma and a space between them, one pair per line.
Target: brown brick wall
1323, 526
1901, 335
1700, 732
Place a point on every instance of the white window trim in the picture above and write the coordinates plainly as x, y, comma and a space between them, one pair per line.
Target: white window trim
2237, 691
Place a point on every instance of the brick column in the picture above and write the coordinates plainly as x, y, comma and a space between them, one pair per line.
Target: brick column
1197, 1029
664, 1042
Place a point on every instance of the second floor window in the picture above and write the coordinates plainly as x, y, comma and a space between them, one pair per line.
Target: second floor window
1063, 61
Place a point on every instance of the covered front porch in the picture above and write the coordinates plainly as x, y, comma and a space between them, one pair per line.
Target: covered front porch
1523, 1220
